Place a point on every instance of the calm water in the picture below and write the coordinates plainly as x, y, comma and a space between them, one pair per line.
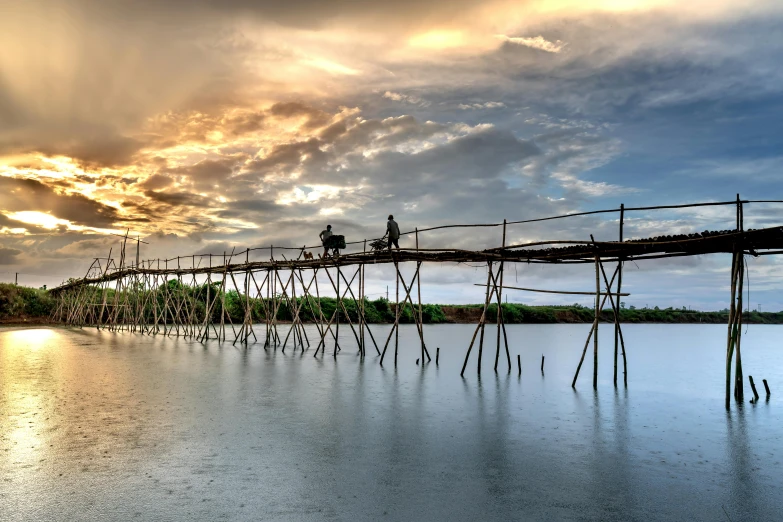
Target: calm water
105, 426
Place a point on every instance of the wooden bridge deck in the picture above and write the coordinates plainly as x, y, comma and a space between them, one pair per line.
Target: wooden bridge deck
709, 242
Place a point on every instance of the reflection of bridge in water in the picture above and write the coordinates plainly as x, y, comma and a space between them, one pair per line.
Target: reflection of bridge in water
194, 296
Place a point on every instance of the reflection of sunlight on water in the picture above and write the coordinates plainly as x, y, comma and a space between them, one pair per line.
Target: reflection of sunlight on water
22, 392
24, 436
32, 338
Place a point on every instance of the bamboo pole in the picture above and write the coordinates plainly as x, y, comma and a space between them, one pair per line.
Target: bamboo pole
396, 323
589, 335
334, 317
166, 298
321, 314
341, 303
348, 290
420, 315
409, 299
732, 326
284, 297
363, 319
584, 351
337, 309
478, 327
397, 314
616, 310
248, 311
598, 306
291, 303
208, 304
318, 318
499, 319
739, 388
617, 317
303, 338
334, 314
563, 292
484, 314
268, 306
753, 388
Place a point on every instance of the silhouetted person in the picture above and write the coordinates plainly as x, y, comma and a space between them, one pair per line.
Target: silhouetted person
394, 232
325, 235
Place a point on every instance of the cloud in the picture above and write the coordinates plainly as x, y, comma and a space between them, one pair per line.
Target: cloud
95, 247
31, 195
407, 98
535, 42
479, 106
176, 199
8, 256
157, 182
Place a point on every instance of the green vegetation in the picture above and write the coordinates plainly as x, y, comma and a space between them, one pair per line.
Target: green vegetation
22, 304
517, 313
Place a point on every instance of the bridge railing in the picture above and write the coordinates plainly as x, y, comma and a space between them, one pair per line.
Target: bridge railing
278, 252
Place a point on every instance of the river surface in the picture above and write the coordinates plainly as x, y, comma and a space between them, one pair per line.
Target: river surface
119, 426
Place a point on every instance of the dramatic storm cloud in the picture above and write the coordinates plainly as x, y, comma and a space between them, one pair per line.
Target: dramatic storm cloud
206, 126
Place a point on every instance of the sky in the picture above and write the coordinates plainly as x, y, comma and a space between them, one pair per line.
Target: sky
207, 126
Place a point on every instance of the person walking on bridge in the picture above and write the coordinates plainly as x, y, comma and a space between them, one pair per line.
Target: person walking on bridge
325, 235
394, 232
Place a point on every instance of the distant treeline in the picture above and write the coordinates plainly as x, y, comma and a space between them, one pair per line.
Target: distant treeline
20, 304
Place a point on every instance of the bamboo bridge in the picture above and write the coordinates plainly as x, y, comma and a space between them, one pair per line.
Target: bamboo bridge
187, 295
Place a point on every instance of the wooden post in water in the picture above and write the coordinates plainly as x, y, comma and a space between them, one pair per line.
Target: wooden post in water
753, 387
395, 326
732, 326
267, 309
478, 327
487, 301
420, 314
337, 309
589, 335
597, 319
248, 312
766, 387
617, 319
739, 388
361, 298
499, 318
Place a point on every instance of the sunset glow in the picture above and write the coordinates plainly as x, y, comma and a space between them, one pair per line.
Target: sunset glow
38, 218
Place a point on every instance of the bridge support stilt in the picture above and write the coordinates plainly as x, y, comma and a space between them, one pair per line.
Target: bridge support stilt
594, 327
492, 289
501, 323
617, 332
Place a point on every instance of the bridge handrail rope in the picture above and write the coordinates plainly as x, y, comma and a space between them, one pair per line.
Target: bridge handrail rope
229, 256
490, 225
